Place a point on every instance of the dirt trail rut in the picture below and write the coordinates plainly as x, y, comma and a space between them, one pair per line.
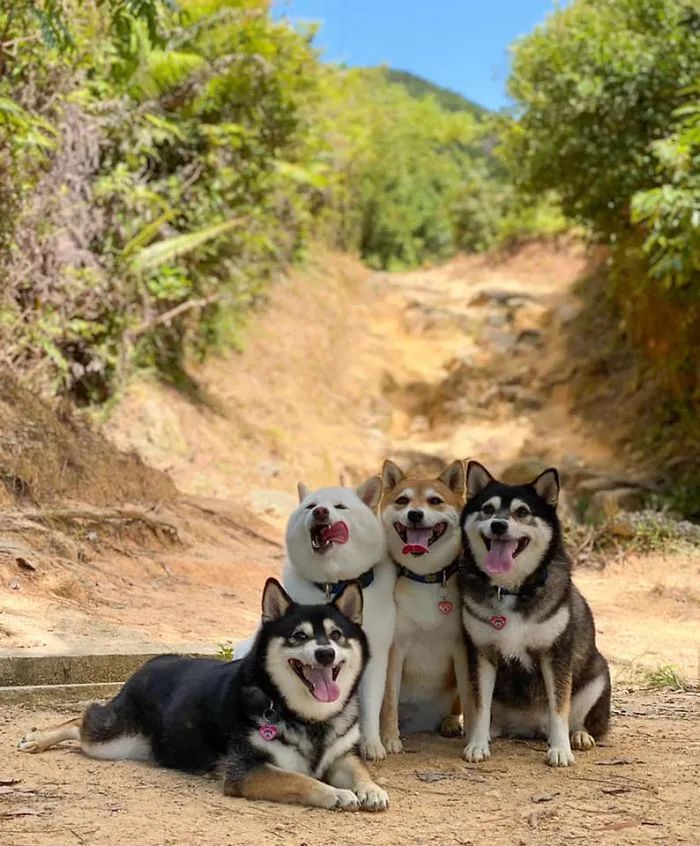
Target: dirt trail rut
341, 369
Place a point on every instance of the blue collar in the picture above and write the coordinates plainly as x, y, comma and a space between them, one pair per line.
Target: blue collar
440, 577
332, 589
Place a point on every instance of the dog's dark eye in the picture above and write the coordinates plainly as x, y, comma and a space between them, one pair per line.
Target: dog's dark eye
488, 510
310, 506
521, 512
402, 500
300, 637
341, 506
336, 635
434, 500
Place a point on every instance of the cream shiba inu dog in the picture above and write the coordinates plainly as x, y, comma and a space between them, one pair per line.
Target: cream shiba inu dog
333, 536
427, 674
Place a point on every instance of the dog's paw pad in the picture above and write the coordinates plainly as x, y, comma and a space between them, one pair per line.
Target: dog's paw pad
451, 726
393, 745
346, 800
373, 751
475, 752
372, 798
582, 740
558, 756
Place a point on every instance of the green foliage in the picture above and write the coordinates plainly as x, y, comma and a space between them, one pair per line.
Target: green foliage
165, 159
226, 651
403, 173
670, 213
420, 88
666, 677
608, 116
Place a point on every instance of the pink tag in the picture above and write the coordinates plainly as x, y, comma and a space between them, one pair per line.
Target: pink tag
413, 549
268, 732
445, 606
498, 622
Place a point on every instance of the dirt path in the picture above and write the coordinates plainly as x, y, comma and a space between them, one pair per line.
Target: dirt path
341, 369
640, 787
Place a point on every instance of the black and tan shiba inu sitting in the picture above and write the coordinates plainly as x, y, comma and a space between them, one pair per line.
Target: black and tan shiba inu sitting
533, 662
280, 724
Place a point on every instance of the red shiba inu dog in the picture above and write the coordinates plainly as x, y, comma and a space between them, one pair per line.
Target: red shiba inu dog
427, 664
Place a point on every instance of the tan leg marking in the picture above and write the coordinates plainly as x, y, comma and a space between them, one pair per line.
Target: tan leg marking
582, 740
451, 726
558, 688
38, 740
272, 784
349, 772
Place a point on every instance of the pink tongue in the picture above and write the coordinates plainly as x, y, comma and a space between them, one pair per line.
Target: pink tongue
416, 541
338, 533
499, 559
325, 689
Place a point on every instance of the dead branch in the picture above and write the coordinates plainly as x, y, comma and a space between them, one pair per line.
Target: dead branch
171, 314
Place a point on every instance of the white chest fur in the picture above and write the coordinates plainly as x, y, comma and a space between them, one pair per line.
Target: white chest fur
296, 754
417, 609
510, 633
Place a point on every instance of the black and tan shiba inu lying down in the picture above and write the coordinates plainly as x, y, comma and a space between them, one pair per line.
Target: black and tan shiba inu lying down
280, 724
533, 661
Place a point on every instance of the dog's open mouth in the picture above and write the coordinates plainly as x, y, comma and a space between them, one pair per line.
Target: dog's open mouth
324, 535
501, 554
321, 681
419, 541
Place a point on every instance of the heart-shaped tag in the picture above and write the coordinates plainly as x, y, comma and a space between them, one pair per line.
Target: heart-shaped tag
445, 606
268, 732
498, 622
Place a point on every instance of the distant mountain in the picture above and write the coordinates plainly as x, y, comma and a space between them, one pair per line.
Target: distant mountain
419, 87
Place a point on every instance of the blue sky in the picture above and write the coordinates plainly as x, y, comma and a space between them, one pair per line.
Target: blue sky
459, 44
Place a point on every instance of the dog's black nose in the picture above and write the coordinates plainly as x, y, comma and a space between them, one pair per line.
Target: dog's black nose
325, 656
320, 513
415, 516
499, 527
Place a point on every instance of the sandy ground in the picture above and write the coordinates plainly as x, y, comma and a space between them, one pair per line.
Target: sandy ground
639, 786
341, 369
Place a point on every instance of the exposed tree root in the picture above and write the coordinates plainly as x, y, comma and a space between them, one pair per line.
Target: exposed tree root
32, 520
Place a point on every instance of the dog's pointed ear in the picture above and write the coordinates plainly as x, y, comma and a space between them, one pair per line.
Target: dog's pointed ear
477, 478
349, 602
392, 474
303, 491
275, 601
546, 486
370, 492
453, 476
343, 479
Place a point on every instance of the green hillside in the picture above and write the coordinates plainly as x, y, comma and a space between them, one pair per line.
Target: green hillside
449, 100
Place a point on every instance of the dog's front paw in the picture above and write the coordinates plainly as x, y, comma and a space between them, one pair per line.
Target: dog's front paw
373, 751
30, 742
393, 745
451, 726
344, 800
476, 750
559, 756
582, 740
372, 797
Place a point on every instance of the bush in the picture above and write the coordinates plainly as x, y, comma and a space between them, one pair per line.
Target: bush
607, 116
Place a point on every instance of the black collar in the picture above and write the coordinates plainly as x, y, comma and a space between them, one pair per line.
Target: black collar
430, 578
526, 589
332, 589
